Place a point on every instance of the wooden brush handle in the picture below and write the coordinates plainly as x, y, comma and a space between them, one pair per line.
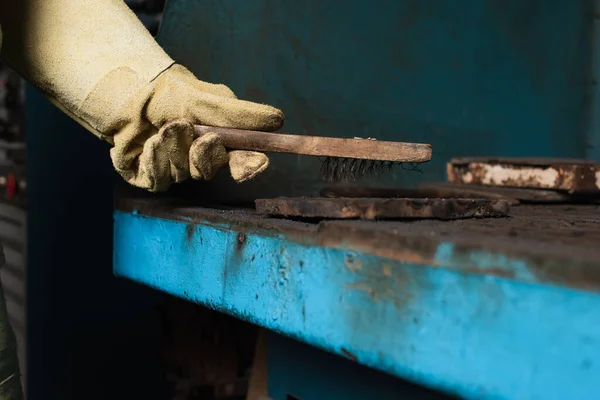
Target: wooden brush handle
238, 139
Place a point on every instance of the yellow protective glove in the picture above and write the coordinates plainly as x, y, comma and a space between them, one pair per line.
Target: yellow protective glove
98, 63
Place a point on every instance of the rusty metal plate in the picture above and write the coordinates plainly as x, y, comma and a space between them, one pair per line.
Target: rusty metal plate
425, 190
512, 195
448, 190
335, 192
541, 173
378, 208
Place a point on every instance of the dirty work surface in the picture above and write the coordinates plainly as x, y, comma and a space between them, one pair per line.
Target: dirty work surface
377, 208
535, 173
512, 195
556, 244
441, 190
447, 190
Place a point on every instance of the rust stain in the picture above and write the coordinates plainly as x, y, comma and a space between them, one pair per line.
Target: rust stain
363, 287
496, 271
557, 174
349, 354
241, 240
352, 264
381, 208
387, 270
348, 212
190, 229
390, 285
370, 213
223, 220
406, 256
406, 249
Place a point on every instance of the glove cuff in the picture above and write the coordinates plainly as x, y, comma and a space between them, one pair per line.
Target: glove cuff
103, 109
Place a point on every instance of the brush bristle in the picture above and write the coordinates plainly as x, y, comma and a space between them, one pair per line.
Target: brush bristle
348, 169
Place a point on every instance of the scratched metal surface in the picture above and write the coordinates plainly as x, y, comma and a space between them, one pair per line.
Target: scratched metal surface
488, 78
532, 246
458, 306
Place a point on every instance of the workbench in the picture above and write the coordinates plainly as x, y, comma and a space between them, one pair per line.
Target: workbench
502, 308
473, 78
495, 308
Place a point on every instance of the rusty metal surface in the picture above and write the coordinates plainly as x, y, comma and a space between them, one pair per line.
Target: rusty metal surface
240, 219
432, 190
528, 161
513, 196
557, 242
381, 312
558, 174
333, 192
553, 244
510, 194
378, 208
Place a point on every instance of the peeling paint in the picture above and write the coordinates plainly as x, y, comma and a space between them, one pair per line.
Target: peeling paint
468, 177
556, 174
387, 270
352, 264
501, 175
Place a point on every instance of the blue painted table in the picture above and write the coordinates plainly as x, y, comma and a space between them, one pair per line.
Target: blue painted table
492, 309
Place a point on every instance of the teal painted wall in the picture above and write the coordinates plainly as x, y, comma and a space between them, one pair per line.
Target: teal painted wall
475, 77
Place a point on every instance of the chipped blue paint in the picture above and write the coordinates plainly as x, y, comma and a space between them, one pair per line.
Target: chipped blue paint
484, 260
477, 336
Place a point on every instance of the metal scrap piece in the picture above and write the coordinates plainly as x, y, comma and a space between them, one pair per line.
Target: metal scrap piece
334, 192
425, 190
378, 208
535, 173
512, 195
448, 190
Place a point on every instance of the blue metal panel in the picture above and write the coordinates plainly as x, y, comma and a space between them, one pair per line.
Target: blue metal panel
477, 336
478, 77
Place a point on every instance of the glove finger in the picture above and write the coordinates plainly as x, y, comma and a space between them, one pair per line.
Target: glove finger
232, 113
207, 155
215, 89
164, 158
186, 77
179, 94
245, 165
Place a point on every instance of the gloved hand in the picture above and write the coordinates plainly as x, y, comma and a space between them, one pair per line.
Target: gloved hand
97, 62
154, 136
